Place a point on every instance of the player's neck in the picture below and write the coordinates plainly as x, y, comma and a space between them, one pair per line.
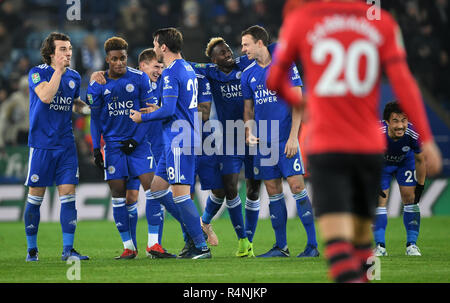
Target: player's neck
264, 59
226, 69
170, 57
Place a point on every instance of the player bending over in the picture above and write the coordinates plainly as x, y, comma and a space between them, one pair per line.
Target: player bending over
404, 161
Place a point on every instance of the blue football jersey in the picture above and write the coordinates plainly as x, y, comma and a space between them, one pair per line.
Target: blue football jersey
204, 95
111, 104
51, 124
155, 128
403, 149
268, 105
180, 93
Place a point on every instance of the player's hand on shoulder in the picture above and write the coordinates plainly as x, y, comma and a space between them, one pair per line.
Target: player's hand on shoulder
99, 77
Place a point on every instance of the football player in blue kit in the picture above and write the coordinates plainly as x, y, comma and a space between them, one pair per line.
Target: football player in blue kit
207, 166
224, 75
178, 112
284, 159
404, 161
54, 88
127, 153
149, 65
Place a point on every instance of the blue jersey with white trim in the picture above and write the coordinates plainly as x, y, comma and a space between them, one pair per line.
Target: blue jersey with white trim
268, 106
51, 124
204, 95
155, 128
180, 85
401, 150
111, 104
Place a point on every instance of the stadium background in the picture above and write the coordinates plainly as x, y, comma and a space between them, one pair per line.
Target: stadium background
25, 23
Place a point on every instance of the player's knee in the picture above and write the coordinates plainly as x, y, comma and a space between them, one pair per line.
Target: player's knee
408, 199
253, 191
296, 183
230, 191
132, 196
273, 188
219, 193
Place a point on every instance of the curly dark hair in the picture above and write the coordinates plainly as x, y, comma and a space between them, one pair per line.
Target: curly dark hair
48, 45
115, 43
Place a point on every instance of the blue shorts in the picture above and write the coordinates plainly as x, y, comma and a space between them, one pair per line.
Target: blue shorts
49, 166
157, 151
121, 166
207, 168
133, 183
231, 164
282, 167
405, 174
175, 167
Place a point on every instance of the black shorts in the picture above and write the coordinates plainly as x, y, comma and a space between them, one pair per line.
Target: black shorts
345, 183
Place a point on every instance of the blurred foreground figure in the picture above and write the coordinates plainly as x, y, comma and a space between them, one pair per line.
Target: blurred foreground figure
343, 54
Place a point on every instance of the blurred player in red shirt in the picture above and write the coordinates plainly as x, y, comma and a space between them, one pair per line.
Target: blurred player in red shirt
343, 54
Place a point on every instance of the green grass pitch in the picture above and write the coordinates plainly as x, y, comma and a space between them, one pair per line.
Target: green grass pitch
100, 240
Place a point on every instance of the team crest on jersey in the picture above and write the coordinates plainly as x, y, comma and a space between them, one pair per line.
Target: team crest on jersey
406, 148
238, 75
111, 170
71, 84
90, 99
255, 170
34, 178
36, 78
154, 86
129, 88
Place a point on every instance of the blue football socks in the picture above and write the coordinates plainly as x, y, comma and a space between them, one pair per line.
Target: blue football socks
213, 205
133, 217
278, 216
68, 220
191, 219
251, 217
121, 218
32, 218
235, 210
379, 226
305, 213
411, 220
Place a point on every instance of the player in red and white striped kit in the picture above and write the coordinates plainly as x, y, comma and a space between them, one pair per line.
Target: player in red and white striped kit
343, 54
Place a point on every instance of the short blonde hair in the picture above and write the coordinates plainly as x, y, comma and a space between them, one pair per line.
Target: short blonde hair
211, 44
